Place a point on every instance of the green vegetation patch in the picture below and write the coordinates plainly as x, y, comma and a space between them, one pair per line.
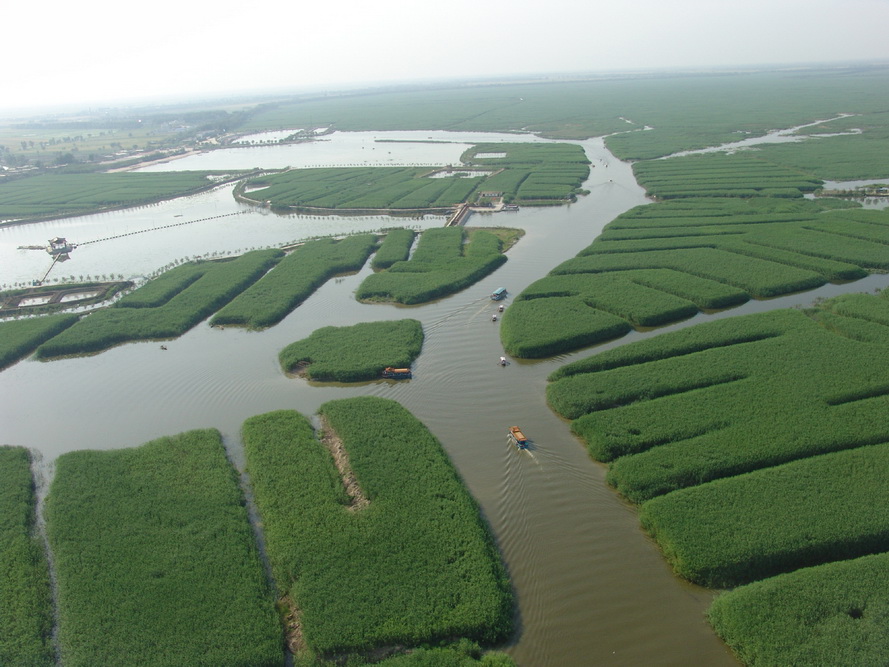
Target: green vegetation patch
659, 263
156, 560
355, 353
401, 558
74, 194
25, 600
443, 263
683, 111
361, 188
536, 328
529, 173
170, 306
533, 172
396, 247
19, 338
724, 397
294, 279
721, 175
833, 614
753, 526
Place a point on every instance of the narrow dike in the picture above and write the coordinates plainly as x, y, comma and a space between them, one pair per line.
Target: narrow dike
329, 438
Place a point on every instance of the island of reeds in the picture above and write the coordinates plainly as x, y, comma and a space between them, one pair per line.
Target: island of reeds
520, 173
373, 540
446, 260
354, 354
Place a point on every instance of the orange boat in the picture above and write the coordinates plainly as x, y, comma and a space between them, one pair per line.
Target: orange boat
516, 435
397, 373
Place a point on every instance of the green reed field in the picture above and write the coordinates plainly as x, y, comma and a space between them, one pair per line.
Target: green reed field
357, 353
402, 558
815, 510
443, 263
684, 112
168, 307
25, 600
294, 279
833, 614
395, 247
19, 338
663, 262
756, 446
155, 558
528, 174
54, 195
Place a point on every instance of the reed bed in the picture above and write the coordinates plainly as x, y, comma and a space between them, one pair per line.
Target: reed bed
442, 264
411, 562
395, 247
356, 353
753, 526
156, 560
26, 617
19, 338
183, 302
74, 194
832, 614
294, 279
705, 254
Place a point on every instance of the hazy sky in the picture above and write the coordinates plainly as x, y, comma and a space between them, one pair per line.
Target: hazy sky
97, 51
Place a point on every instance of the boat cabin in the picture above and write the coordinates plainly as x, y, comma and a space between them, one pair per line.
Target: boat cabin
499, 293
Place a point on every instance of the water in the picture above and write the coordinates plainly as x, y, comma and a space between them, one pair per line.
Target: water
591, 587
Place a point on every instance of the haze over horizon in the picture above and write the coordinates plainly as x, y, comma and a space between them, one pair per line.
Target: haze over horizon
89, 53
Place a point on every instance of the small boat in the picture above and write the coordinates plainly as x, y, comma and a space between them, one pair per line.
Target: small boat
517, 437
397, 373
498, 294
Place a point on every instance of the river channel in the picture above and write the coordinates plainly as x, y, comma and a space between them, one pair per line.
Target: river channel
592, 588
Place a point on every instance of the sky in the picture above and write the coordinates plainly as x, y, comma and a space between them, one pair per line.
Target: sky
101, 52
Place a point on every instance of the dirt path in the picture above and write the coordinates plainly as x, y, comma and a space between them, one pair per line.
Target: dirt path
357, 499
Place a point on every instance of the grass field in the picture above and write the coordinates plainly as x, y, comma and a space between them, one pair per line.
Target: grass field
831, 614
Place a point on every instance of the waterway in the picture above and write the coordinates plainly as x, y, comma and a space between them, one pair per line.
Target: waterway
592, 588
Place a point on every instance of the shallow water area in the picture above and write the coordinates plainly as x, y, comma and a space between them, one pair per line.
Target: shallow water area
432, 148
591, 587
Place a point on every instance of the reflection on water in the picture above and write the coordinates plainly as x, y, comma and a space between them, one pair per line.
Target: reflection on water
592, 589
